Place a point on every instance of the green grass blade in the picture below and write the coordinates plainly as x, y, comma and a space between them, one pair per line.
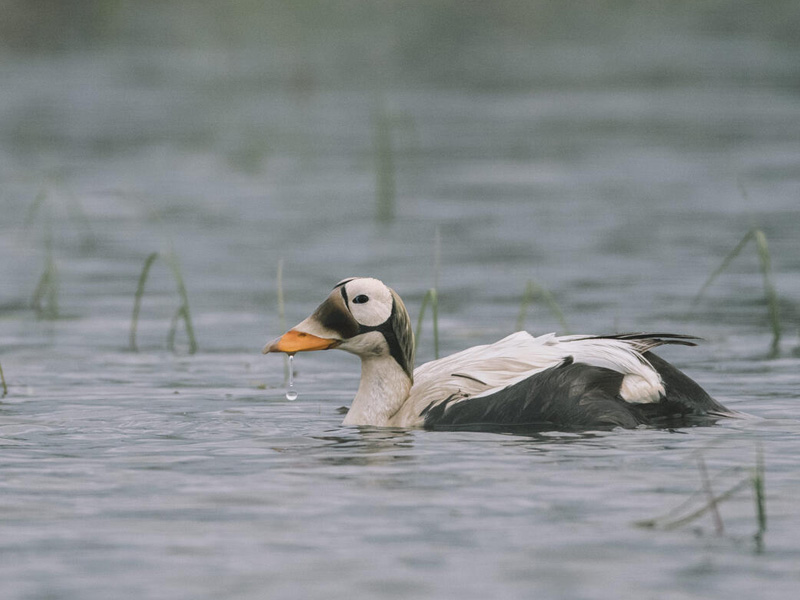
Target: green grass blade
533, 291
3, 381
137, 302
769, 289
435, 312
724, 265
173, 328
418, 333
760, 498
771, 295
40, 291
45, 295
184, 296
527, 296
437, 256
431, 297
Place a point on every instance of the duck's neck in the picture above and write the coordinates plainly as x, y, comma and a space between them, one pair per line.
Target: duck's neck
383, 389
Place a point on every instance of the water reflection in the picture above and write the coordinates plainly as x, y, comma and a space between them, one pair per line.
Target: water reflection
367, 446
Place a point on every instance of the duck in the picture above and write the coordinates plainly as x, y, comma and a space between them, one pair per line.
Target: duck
521, 382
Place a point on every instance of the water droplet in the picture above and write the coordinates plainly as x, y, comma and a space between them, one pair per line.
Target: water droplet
291, 394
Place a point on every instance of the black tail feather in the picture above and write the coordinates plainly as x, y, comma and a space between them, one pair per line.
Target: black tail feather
644, 341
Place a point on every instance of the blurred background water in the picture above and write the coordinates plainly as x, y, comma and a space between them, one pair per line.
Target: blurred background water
612, 153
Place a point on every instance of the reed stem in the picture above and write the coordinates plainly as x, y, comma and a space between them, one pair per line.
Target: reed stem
533, 291
137, 302
181, 313
173, 327
760, 498
435, 313
437, 256
770, 294
3, 381
432, 297
175, 267
45, 296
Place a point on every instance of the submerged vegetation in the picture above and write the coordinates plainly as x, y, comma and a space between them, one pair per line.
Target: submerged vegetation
182, 312
686, 513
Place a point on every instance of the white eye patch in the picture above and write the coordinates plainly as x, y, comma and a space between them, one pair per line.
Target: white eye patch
369, 300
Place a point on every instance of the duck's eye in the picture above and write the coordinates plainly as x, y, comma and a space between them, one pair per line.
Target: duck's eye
360, 299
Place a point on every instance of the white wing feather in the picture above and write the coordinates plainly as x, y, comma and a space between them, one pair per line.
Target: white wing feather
483, 370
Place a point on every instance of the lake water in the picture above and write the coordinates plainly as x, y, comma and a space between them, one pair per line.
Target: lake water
613, 157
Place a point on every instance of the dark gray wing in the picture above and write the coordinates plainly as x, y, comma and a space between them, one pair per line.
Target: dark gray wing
569, 396
577, 397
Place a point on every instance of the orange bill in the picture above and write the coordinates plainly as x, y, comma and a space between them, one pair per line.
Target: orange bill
297, 341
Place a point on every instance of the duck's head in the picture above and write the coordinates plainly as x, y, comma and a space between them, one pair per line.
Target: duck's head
361, 315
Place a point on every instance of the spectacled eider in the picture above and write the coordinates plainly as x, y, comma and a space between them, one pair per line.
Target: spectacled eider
575, 382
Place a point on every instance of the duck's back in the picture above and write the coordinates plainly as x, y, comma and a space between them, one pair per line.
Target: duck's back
550, 382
